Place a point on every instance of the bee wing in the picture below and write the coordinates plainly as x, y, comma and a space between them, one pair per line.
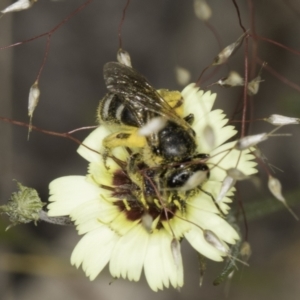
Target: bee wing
139, 94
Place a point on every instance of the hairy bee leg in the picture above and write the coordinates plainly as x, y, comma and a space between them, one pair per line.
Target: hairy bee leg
214, 200
132, 169
125, 138
105, 155
179, 202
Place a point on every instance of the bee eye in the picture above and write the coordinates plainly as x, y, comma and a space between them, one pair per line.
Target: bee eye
177, 179
184, 177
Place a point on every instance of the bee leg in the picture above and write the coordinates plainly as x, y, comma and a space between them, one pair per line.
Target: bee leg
132, 169
179, 202
123, 139
214, 200
105, 155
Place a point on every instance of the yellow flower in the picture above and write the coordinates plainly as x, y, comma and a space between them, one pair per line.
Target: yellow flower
123, 230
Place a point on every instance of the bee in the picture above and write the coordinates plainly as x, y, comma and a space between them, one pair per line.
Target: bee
131, 103
166, 160
177, 179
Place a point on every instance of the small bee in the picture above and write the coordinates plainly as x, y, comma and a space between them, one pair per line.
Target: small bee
131, 103
167, 158
179, 179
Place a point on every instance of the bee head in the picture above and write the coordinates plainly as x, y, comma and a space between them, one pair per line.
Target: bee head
186, 177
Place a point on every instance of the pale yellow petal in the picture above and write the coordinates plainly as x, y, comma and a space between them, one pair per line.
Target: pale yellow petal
66, 193
122, 225
177, 225
203, 202
90, 215
160, 267
127, 259
92, 149
217, 121
94, 251
93, 144
206, 202
225, 157
153, 264
101, 174
197, 102
173, 266
196, 239
213, 222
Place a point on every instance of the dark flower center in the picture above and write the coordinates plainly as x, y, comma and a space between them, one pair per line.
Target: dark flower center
135, 200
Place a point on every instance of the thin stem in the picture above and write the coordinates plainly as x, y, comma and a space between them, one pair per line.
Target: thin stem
65, 20
63, 135
121, 24
54, 220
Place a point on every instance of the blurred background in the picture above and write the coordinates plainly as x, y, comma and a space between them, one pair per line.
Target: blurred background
159, 35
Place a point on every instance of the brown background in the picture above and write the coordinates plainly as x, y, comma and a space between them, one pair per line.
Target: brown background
159, 35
